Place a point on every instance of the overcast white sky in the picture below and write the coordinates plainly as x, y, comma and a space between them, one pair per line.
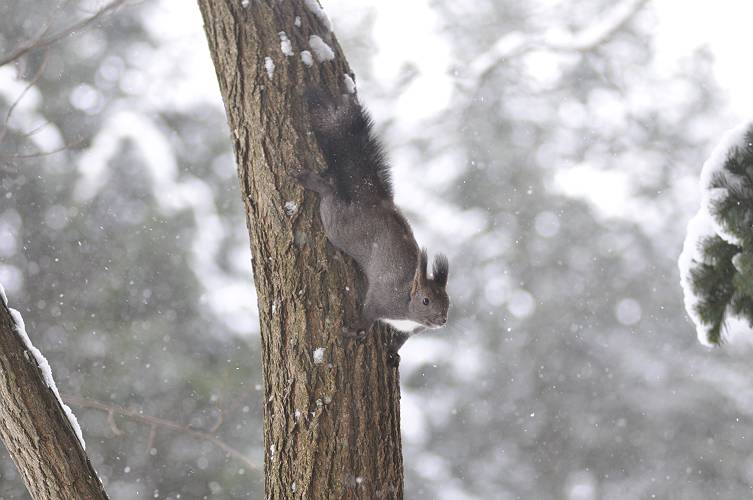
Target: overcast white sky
722, 25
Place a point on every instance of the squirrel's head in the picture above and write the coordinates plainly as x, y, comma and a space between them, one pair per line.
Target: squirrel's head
428, 296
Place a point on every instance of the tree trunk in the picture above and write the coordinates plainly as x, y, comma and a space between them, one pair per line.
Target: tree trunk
35, 429
331, 416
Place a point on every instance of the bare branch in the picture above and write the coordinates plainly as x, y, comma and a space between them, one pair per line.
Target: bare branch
156, 422
43, 40
515, 45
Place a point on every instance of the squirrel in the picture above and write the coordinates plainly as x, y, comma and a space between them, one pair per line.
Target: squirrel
360, 218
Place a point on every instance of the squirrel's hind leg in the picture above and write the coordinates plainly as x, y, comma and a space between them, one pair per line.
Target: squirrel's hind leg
360, 328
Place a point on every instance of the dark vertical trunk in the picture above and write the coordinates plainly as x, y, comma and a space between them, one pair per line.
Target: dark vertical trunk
331, 428
35, 429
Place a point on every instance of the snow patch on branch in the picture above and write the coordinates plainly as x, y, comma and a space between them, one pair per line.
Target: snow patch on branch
322, 51
285, 46
307, 59
291, 207
319, 355
44, 367
350, 85
314, 7
269, 64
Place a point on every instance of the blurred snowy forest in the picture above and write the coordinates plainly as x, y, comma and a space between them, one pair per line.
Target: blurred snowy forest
551, 148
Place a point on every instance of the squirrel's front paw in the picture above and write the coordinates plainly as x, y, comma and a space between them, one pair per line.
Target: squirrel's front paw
393, 358
300, 174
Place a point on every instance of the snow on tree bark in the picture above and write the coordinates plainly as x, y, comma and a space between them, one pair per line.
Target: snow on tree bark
716, 264
332, 406
34, 425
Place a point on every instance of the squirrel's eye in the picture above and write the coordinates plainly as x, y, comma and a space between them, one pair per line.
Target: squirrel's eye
426, 301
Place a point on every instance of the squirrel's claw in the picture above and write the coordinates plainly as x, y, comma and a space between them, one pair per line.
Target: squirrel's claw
358, 334
393, 358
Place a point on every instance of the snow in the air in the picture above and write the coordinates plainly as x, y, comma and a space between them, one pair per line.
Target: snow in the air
297, 21
269, 64
227, 295
44, 366
322, 51
319, 355
350, 85
703, 226
628, 311
285, 46
306, 57
314, 7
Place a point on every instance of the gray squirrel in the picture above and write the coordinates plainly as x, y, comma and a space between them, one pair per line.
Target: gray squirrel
361, 219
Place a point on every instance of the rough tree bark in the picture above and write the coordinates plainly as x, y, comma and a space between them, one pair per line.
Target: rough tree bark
34, 428
331, 425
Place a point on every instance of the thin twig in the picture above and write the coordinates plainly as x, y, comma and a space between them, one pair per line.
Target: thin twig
218, 422
113, 426
43, 153
36, 129
42, 41
155, 422
152, 437
31, 83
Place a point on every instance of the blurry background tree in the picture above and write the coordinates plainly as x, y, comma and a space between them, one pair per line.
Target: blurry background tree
554, 171
129, 248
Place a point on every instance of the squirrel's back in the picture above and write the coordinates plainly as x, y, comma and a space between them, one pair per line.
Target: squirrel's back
354, 155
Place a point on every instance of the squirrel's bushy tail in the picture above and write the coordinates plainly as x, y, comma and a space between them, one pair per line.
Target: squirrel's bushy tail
354, 156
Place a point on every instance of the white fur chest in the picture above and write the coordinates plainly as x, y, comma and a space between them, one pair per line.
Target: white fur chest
403, 325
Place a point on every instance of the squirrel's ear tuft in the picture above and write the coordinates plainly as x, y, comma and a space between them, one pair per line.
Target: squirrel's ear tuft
420, 278
441, 270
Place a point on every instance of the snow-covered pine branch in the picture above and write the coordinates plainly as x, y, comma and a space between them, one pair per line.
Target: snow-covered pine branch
716, 264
